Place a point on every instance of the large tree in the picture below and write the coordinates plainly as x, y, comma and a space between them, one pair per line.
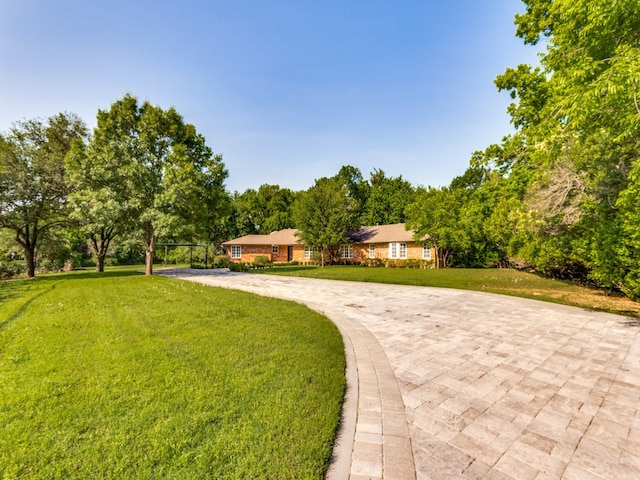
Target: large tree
148, 171
263, 211
569, 173
33, 186
325, 215
387, 199
435, 217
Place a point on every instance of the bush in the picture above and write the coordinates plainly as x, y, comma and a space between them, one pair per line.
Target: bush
239, 267
46, 265
373, 262
393, 263
316, 258
221, 261
261, 261
10, 269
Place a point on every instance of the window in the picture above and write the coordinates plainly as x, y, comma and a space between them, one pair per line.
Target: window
274, 249
397, 250
372, 251
426, 252
236, 251
346, 251
307, 252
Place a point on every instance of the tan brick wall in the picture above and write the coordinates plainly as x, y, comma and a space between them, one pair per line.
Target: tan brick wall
414, 251
360, 252
250, 252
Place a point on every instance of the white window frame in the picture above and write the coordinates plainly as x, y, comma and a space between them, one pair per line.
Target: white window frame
372, 250
236, 251
307, 252
397, 250
274, 249
346, 251
426, 252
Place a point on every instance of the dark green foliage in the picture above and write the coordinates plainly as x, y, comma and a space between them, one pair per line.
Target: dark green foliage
261, 261
560, 195
33, 184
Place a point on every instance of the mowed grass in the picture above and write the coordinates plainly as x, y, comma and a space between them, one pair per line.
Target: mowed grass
502, 281
123, 376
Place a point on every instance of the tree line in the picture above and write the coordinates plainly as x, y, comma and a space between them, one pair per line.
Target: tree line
560, 195
142, 176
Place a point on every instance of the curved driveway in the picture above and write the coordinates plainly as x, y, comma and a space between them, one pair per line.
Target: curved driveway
456, 384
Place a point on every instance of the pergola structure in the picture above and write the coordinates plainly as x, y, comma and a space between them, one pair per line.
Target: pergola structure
190, 245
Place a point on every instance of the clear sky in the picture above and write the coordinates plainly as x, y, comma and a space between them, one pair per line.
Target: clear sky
287, 91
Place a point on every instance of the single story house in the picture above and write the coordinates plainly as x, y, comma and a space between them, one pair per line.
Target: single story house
384, 242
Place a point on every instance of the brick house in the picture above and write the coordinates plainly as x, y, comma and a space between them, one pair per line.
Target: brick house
383, 242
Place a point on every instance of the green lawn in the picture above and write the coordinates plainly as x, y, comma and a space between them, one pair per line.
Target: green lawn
502, 281
123, 376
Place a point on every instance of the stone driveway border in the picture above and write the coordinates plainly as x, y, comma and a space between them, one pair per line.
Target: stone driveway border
487, 386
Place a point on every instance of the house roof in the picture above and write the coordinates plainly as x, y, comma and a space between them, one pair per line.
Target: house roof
281, 237
374, 234
382, 234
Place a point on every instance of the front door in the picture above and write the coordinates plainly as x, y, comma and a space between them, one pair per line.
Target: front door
289, 253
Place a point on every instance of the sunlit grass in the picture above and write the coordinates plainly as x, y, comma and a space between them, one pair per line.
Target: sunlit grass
502, 281
124, 376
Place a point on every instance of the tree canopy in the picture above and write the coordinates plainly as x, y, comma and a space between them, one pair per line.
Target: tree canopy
149, 170
33, 185
325, 215
561, 194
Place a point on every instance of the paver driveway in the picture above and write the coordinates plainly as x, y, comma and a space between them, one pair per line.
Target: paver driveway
458, 384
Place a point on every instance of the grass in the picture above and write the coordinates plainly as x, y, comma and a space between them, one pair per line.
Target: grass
123, 376
502, 281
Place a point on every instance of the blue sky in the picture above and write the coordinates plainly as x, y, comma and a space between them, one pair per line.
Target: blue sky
287, 91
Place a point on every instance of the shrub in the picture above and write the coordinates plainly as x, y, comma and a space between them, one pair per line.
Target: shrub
10, 269
239, 267
221, 261
260, 261
373, 262
394, 263
316, 258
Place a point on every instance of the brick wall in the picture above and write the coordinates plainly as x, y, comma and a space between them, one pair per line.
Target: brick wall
360, 252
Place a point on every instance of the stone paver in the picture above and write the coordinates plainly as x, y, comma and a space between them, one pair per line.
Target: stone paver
456, 384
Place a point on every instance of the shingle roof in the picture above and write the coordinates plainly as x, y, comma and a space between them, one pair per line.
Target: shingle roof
383, 234
373, 234
281, 237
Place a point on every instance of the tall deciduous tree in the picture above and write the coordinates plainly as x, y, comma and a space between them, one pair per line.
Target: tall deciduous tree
435, 216
263, 211
325, 215
387, 200
148, 170
567, 174
33, 187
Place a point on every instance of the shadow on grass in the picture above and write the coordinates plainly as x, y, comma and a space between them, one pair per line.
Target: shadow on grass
85, 275
24, 306
28, 290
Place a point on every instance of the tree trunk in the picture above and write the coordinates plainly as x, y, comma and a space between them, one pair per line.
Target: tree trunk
437, 256
27, 238
101, 247
100, 263
30, 257
151, 244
